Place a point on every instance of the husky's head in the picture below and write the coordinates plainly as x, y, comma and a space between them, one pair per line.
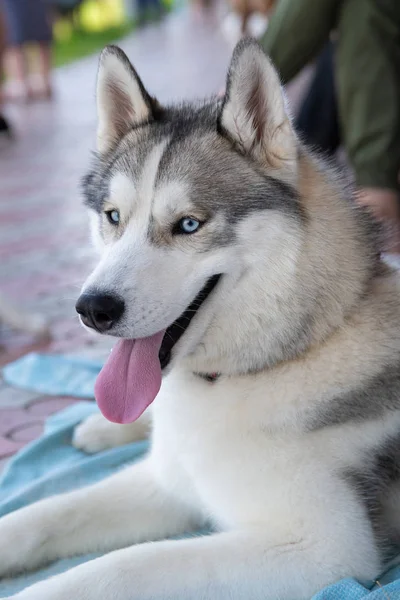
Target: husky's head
198, 220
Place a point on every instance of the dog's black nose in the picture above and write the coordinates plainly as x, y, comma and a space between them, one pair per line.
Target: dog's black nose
100, 311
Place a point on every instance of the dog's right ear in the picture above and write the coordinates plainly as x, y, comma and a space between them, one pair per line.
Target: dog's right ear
122, 100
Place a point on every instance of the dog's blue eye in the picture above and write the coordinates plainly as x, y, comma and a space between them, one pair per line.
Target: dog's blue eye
188, 225
113, 216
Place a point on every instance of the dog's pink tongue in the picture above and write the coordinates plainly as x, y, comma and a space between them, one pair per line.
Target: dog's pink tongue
130, 379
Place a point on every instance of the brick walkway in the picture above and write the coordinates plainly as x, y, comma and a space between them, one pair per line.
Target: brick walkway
44, 250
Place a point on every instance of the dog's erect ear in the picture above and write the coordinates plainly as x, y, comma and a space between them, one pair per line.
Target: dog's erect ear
253, 113
122, 100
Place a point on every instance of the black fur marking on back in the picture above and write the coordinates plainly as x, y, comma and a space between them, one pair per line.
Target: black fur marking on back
372, 399
371, 485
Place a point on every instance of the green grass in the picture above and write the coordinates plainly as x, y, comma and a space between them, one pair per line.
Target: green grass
82, 44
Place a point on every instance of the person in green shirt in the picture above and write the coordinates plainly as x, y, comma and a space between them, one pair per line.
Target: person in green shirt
367, 74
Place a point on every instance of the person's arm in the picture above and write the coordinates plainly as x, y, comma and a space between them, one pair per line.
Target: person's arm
297, 31
368, 87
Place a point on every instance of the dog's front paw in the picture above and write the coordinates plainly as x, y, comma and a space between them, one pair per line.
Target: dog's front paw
96, 434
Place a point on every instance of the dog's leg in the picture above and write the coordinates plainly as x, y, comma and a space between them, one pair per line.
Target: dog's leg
234, 565
127, 508
96, 433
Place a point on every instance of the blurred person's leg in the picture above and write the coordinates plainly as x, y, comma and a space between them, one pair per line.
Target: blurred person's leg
3, 38
155, 7
41, 33
242, 8
45, 64
202, 8
141, 11
317, 121
28, 22
16, 70
297, 32
368, 78
14, 60
4, 125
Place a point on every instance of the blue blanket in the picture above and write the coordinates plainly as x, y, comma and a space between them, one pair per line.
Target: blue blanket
51, 465
53, 374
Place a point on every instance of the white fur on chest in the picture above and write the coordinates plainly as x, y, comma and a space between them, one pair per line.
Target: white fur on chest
211, 449
218, 446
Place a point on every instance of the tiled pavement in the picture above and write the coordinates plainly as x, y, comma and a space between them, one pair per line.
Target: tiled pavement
44, 250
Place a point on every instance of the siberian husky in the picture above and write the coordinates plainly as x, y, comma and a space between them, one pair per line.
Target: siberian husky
234, 263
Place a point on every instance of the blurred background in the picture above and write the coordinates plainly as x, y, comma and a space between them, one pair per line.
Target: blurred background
48, 60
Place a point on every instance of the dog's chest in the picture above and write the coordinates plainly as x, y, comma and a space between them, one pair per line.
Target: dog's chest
235, 468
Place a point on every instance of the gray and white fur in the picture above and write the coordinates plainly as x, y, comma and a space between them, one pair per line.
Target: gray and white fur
293, 453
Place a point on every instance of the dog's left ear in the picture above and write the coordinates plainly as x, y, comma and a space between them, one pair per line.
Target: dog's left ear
122, 100
253, 113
